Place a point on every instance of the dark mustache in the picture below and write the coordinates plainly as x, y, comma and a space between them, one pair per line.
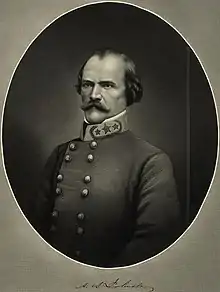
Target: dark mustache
88, 105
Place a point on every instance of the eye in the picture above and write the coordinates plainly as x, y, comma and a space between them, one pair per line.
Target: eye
86, 85
107, 85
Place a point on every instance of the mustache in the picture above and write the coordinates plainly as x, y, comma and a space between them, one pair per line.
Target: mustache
97, 104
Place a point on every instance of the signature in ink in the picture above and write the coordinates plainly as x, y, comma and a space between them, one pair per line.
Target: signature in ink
116, 284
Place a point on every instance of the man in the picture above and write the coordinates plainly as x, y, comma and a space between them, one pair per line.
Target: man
108, 198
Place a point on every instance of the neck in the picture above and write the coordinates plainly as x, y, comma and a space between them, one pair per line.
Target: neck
112, 125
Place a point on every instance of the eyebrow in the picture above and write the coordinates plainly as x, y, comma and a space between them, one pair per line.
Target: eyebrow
87, 81
102, 82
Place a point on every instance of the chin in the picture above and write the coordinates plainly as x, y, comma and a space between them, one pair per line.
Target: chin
95, 117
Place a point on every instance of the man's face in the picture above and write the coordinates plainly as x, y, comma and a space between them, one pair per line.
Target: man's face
103, 88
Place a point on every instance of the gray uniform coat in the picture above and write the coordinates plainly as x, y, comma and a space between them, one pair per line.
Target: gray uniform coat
108, 202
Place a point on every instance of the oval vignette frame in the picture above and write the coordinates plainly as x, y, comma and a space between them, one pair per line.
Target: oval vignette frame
7, 164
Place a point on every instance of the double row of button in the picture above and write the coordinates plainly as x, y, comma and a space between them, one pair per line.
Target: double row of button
72, 147
84, 192
90, 158
80, 217
87, 178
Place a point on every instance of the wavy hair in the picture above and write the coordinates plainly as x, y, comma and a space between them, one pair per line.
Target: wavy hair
133, 86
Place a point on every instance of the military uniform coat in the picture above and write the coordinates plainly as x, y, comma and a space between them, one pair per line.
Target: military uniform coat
109, 201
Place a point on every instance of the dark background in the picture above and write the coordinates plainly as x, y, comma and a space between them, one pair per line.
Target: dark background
176, 114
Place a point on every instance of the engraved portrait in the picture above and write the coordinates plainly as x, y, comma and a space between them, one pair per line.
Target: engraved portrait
110, 135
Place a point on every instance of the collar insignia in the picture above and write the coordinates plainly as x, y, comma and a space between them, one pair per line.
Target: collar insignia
105, 129
110, 126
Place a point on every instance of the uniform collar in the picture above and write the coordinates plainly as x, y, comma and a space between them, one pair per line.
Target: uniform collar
114, 125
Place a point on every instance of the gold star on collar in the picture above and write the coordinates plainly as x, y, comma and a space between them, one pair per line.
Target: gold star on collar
105, 129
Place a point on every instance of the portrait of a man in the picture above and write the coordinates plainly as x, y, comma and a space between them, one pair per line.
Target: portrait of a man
108, 197
105, 144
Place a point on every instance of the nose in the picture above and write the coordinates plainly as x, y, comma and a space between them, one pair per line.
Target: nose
96, 93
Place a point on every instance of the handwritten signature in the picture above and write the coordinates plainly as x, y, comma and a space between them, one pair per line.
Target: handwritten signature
116, 284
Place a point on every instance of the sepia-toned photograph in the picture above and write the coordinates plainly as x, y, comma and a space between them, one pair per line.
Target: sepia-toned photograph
110, 135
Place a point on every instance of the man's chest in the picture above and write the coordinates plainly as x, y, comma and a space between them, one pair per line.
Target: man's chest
97, 180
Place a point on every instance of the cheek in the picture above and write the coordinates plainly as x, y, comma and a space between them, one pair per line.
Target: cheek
84, 96
111, 101
114, 98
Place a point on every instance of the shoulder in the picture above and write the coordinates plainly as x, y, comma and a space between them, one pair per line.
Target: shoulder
61, 148
143, 147
148, 155
57, 154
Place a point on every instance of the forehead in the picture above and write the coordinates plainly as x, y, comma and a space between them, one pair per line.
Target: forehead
104, 68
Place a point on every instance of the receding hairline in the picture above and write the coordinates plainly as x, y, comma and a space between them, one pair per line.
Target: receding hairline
129, 64
134, 88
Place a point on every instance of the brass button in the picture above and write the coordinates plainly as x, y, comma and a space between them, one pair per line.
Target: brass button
79, 230
85, 193
59, 177
67, 158
58, 191
93, 144
80, 216
72, 146
87, 179
90, 157
55, 214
